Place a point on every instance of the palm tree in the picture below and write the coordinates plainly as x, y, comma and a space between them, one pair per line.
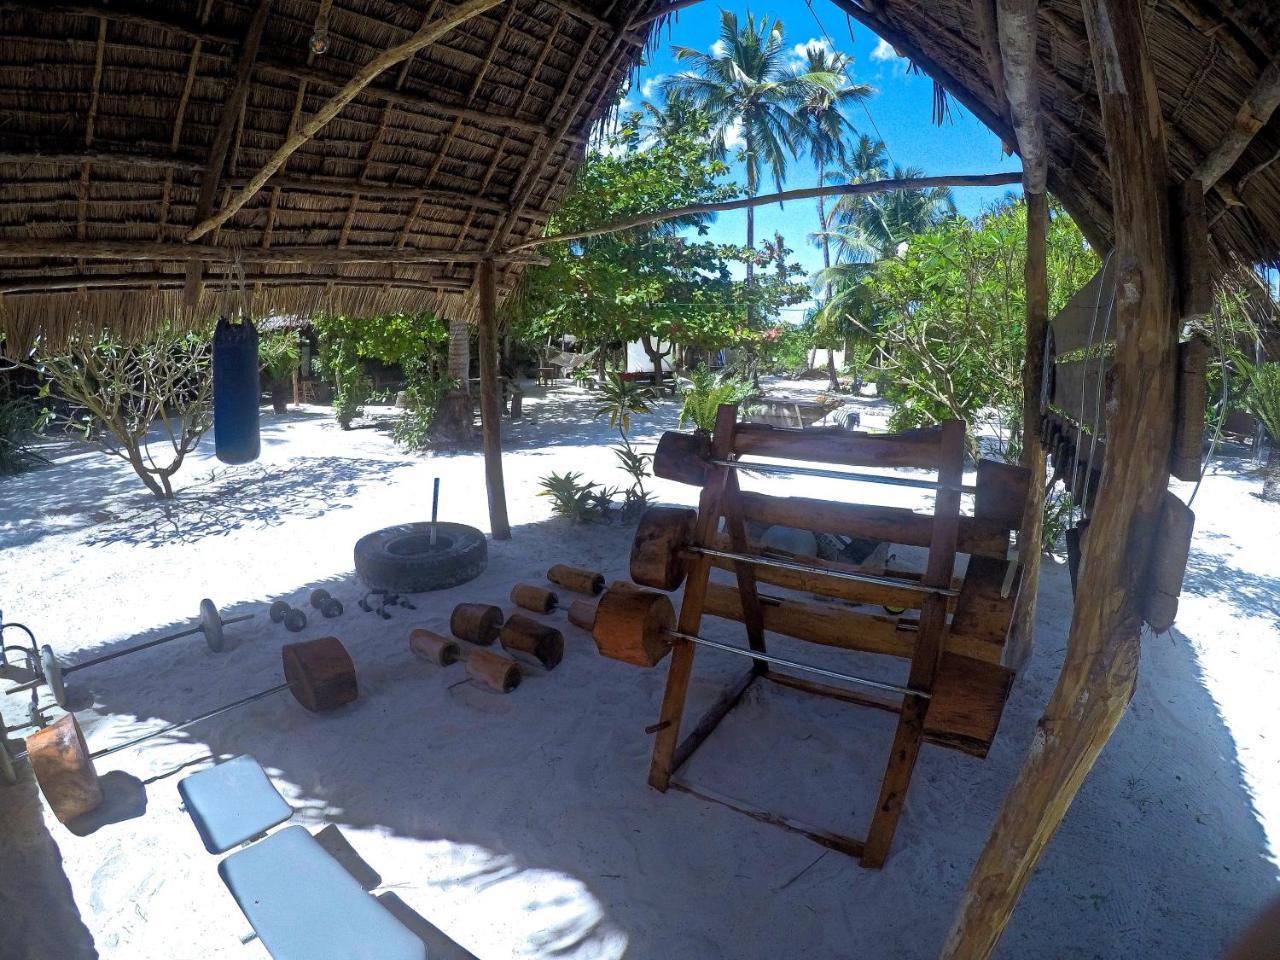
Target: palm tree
823, 112
746, 84
873, 225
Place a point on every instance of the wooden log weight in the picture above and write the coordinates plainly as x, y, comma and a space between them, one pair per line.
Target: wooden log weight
493, 670
320, 673
683, 457
577, 579
631, 626
476, 622
430, 645
658, 557
582, 613
64, 769
521, 634
535, 598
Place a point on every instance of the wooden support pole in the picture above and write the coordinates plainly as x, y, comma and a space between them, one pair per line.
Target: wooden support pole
1252, 116
232, 106
806, 193
428, 35
1100, 671
491, 403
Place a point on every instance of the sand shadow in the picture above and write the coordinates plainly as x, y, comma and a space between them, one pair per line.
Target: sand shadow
124, 798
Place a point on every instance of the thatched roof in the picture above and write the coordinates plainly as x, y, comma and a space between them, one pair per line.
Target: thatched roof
110, 122
114, 115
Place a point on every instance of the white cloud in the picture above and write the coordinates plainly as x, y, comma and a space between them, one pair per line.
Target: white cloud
800, 52
883, 52
626, 105
733, 136
719, 48
653, 85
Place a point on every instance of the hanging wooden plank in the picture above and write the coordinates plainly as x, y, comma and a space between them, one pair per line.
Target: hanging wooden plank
1188, 437
1080, 391
1084, 319
1195, 258
1170, 553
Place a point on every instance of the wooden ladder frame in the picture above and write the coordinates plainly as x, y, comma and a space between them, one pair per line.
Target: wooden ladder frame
941, 449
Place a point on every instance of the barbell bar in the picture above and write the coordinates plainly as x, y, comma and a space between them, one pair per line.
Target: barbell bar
53, 671
664, 541
637, 627
319, 673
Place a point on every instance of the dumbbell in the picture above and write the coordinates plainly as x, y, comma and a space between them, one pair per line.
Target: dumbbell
478, 623
53, 671
485, 667
328, 606
319, 673
663, 549
577, 579
294, 620
535, 598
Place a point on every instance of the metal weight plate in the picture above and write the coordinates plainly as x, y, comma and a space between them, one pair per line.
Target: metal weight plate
52, 670
7, 773
211, 626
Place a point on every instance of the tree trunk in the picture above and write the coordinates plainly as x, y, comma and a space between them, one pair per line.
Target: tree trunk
833, 380
460, 352
280, 396
655, 357
1271, 473
751, 266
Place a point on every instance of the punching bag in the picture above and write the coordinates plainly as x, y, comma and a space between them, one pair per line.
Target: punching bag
235, 391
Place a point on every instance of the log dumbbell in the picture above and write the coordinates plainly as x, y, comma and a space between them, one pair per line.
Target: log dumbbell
319, 673
582, 613
53, 671
521, 634
485, 667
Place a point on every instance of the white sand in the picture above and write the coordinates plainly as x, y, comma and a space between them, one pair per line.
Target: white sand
522, 826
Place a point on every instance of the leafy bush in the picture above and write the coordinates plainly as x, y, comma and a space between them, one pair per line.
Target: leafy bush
703, 393
570, 497
423, 394
1261, 397
278, 355
20, 422
120, 391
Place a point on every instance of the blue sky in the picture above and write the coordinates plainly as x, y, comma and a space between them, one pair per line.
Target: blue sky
900, 111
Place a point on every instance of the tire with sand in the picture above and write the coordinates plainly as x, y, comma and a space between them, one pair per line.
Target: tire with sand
402, 559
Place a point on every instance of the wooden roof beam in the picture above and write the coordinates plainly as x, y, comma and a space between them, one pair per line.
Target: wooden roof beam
126, 281
1252, 116
164, 251
806, 193
330, 109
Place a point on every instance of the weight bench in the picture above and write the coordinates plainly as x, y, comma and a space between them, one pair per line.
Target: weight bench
300, 901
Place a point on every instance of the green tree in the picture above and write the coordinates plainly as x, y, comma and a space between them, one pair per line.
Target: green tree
746, 84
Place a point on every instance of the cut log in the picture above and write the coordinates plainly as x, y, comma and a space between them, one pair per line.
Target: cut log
64, 770
320, 673
476, 622
535, 598
631, 626
577, 579
429, 645
582, 613
659, 555
493, 670
921, 448
521, 634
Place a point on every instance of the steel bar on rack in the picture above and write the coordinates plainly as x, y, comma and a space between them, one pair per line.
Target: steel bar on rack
796, 665
885, 478
809, 568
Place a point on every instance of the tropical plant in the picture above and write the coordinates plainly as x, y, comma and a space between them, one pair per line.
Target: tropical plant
423, 393
119, 392
619, 398
874, 226
746, 84
1261, 398
703, 391
21, 421
570, 497
636, 466
278, 358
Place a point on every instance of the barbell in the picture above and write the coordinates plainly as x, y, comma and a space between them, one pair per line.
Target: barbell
687, 458
638, 627
52, 671
319, 673
663, 546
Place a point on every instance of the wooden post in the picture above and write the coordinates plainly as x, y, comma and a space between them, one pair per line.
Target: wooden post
1100, 671
491, 404
1031, 530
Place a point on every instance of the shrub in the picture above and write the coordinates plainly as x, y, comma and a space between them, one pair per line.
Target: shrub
278, 358
569, 496
20, 422
703, 392
423, 394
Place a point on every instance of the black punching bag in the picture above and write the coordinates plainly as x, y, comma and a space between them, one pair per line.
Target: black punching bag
235, 391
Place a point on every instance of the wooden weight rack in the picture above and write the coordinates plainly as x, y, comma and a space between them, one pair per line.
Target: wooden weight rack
956, 686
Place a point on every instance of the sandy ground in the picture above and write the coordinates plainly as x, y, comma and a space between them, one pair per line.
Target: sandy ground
522, 826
